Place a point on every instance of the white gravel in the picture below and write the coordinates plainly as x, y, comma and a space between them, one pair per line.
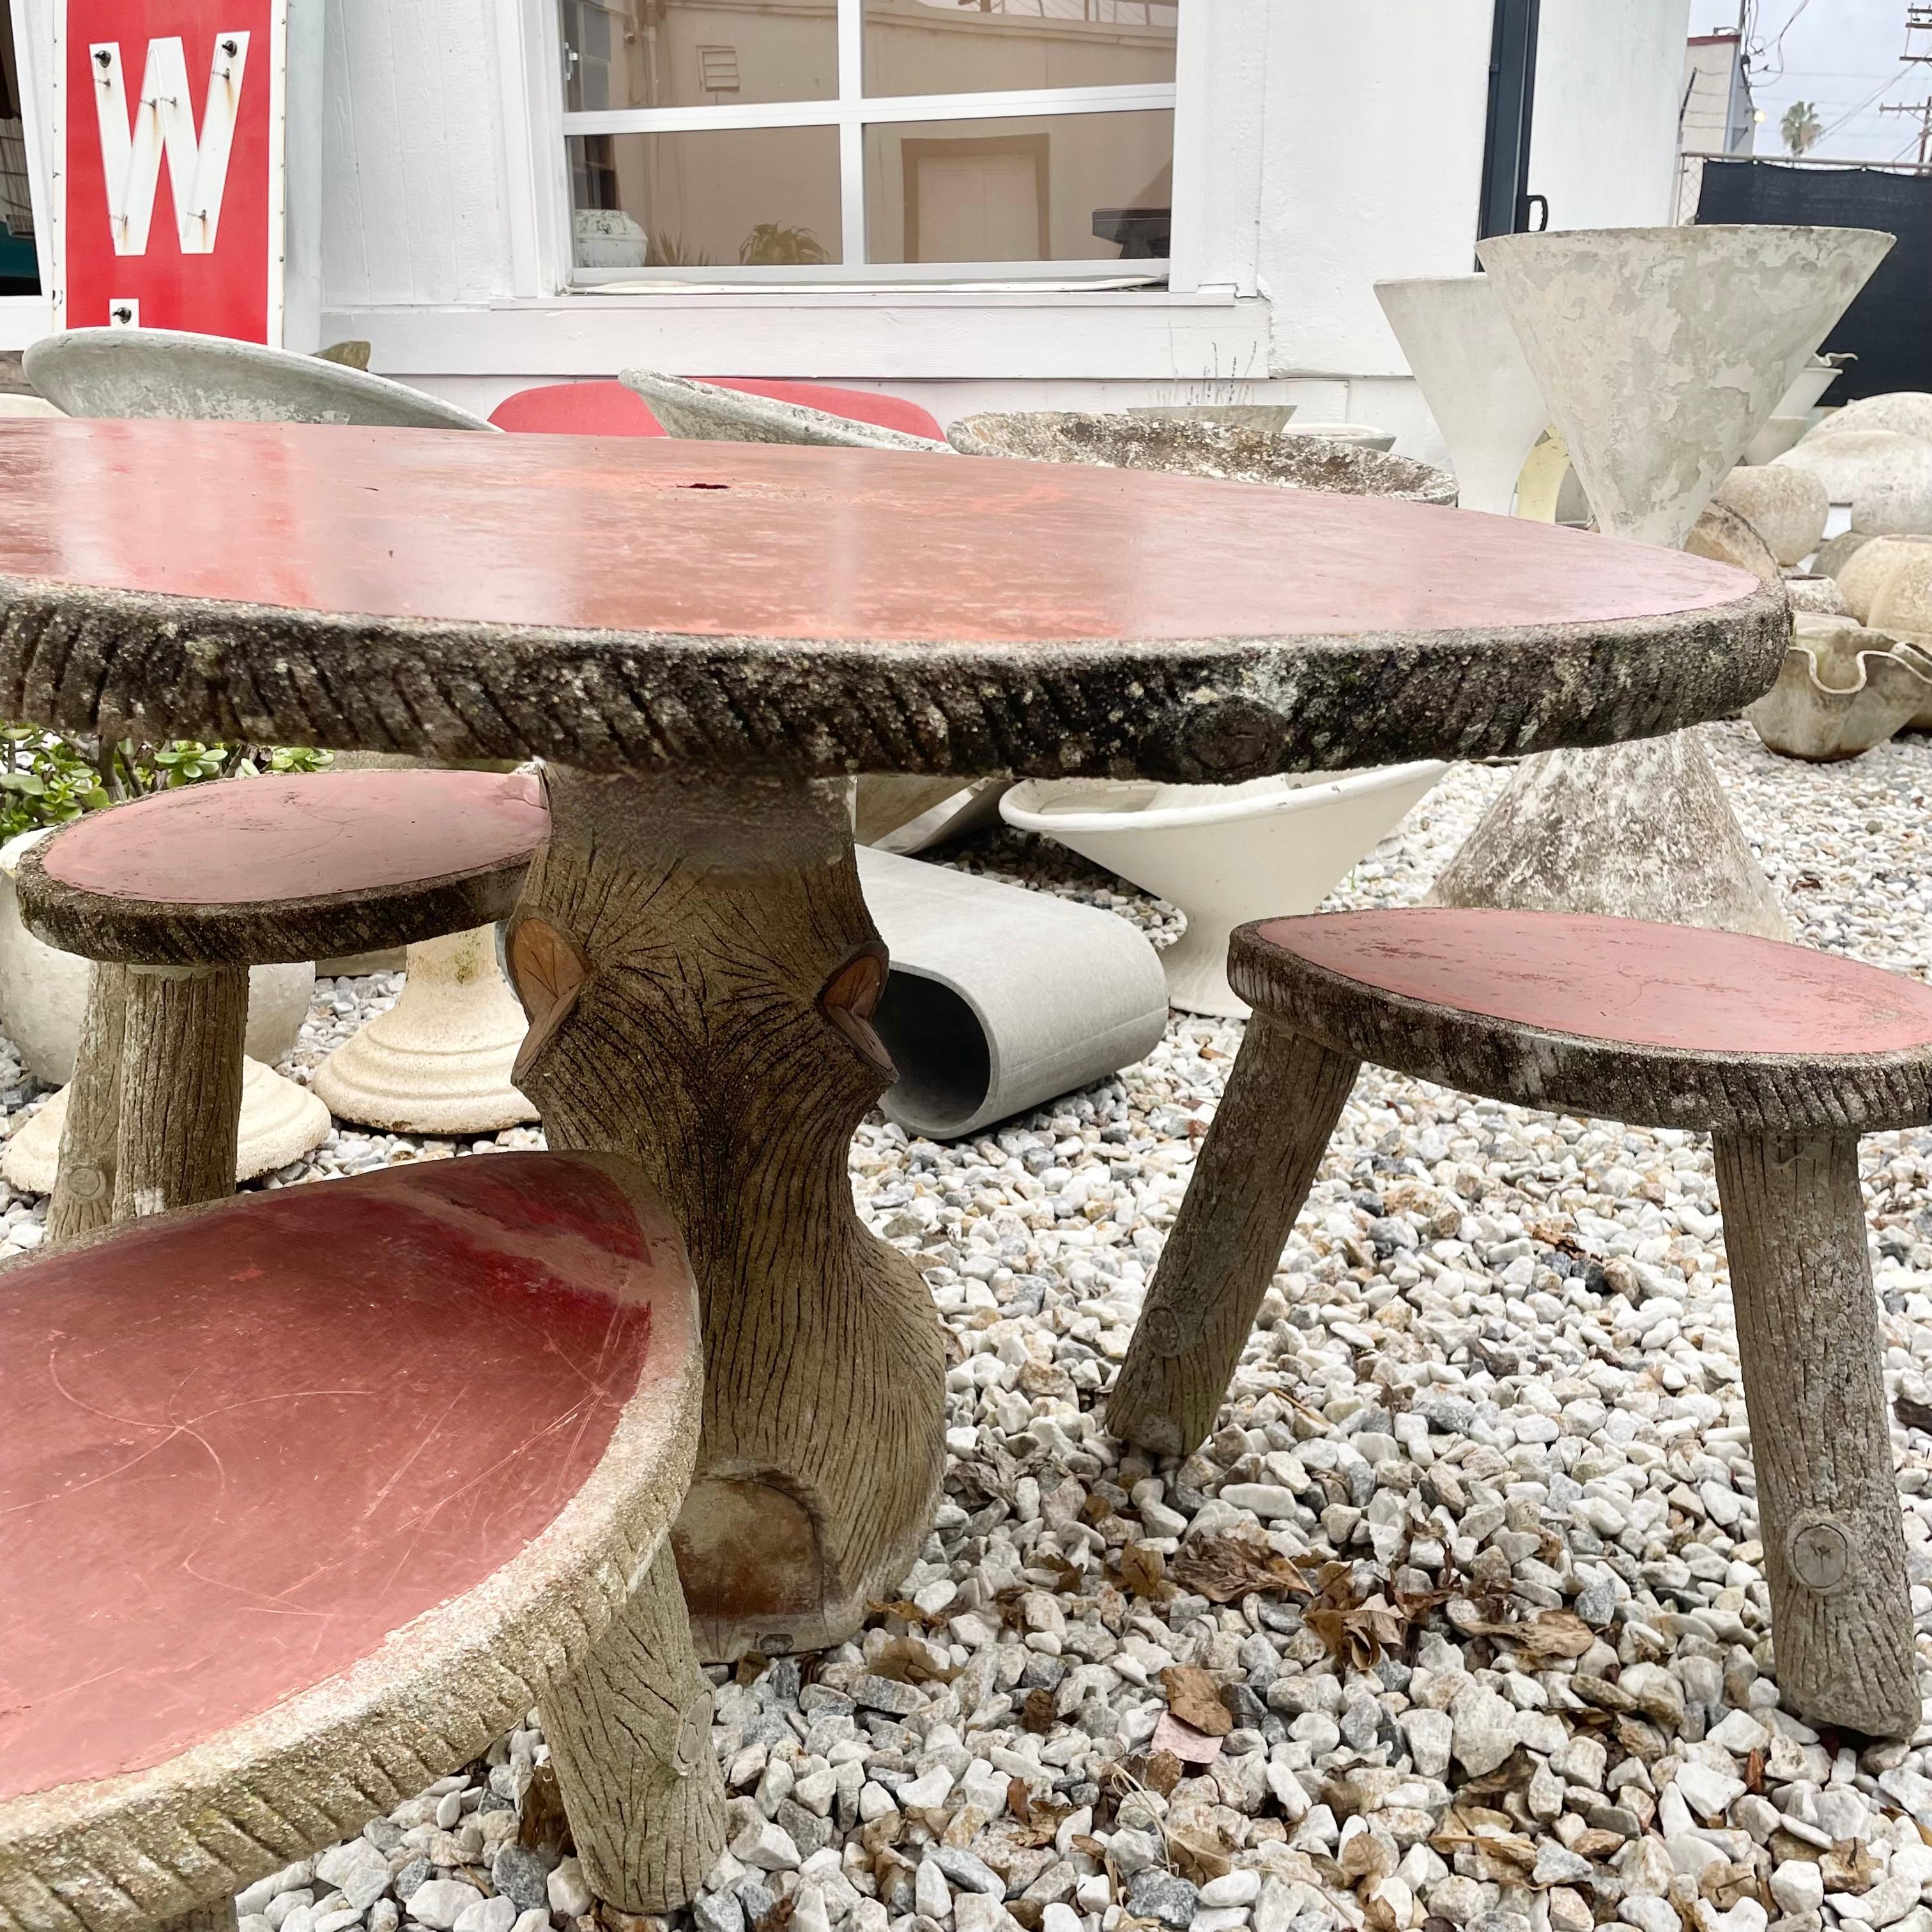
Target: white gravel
1498, 1363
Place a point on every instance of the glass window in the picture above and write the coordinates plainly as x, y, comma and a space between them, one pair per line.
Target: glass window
697, 53
755, 197
1073, 187
960, 46
19, 266
815, 136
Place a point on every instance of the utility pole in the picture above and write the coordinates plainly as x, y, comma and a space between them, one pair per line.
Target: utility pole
1923, 109
1918, 32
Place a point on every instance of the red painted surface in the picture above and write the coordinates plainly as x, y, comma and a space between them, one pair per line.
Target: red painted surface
225, 293
302, 837
1681, 988
243, 1448
774, 540
609, 409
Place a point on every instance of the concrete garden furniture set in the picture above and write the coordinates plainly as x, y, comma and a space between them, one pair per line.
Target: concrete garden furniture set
233, 1634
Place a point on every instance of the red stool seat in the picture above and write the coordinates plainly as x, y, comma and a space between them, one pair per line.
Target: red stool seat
1656, 1025
609, 409
333, 1448
286, 867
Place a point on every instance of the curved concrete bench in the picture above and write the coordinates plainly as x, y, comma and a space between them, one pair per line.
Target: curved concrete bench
1000, 998
176, 895
312, 1495
165, 372
1784, 1055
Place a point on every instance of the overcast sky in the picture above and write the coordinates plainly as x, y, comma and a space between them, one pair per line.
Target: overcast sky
1841, 55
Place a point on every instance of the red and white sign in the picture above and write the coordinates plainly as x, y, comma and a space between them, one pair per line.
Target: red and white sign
168, 138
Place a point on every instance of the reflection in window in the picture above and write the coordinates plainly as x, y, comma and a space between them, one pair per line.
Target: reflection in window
19, 266
1064, 188
697, 53
751, 197
960, 46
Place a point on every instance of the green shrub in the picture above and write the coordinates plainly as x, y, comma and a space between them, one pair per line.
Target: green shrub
50, 780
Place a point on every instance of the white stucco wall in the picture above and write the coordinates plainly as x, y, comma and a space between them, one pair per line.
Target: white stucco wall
1609, 75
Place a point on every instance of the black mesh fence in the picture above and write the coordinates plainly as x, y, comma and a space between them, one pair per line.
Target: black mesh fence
1886, 327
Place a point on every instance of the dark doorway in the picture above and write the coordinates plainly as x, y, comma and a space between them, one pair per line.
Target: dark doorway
1507, 203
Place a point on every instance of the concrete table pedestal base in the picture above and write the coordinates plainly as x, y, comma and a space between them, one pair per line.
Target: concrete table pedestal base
699, 968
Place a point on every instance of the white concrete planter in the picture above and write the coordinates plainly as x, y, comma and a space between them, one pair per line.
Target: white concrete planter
1224, 854
1363, 435
439, 1061
1000, 998
44, 991
1834, 699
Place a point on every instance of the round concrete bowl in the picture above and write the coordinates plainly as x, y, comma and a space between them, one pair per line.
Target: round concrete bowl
1224, 854
1363, 435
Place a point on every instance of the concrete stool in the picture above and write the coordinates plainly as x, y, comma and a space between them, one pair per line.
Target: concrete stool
310, 1495
176, 895
1784, 1055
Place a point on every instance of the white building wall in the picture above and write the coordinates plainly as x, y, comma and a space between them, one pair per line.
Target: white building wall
1609, 75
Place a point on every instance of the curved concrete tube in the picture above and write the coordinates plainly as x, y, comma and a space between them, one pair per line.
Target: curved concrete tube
1000, 998
167, 372
281, 1122
1465, 357
44, 991
439, 1061
1224, 854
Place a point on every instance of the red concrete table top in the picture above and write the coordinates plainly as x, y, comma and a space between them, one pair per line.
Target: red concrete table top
302, 837
244, 1446
614, 602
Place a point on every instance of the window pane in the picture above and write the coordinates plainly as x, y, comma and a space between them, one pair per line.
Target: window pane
971, 46
763, 196
698, 53
1062, 187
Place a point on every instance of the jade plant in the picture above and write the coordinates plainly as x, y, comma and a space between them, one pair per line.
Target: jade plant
47, 779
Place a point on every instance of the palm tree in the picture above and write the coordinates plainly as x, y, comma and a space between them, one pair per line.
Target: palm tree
1800, 127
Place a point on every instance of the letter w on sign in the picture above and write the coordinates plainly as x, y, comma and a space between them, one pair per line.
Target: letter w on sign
161, 125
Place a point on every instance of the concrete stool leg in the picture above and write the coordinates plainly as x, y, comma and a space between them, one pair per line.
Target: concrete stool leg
219, 1917
181, 1087
1253, 1172
83, 1197
630, 1736
1808, 1331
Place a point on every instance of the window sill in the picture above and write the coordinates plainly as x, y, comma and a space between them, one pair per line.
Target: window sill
827, 331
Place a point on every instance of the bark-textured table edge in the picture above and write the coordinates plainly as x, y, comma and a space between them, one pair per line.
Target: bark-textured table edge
1569, 1073
123, 1853
80, 658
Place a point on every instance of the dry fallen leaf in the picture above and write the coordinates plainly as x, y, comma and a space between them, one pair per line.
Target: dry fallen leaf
1161, 1770
542, 1827
1184, 1741
1224, 1568
1545, 1638
907, 1661
1200, 1858
1037, 1714
1144, 1571
1195, 1698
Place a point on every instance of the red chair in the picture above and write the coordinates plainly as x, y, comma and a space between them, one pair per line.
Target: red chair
609, 409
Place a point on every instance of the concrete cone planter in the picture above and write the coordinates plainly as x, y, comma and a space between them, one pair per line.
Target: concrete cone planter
281, 1122
439, 1061
1464, 356
1224, 854
999, 998
43, 991
1661, 353
1843, 690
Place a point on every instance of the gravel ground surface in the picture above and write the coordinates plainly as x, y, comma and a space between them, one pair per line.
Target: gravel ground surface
1460, 1616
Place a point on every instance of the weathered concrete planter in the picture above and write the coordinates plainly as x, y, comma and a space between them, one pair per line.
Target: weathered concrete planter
1818, 595
706, 413
165, 372
1363, 435
1865, 575
1843, 690
1224, 854
43, 991
1289, 460
1000, 998
908, 815
1788, 508
1266, 417
1879, 468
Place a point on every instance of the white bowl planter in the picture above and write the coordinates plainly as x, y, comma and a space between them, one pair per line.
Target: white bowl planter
43, 991
1224, 854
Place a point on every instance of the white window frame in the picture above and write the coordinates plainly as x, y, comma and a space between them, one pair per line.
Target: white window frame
850, 113
25, 319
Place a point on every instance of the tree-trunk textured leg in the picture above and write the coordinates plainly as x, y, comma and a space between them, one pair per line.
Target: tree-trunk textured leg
83, 1196
1808, 1331
698, 966
1253, 1172
181, 1087
219, 1917
630, 1736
